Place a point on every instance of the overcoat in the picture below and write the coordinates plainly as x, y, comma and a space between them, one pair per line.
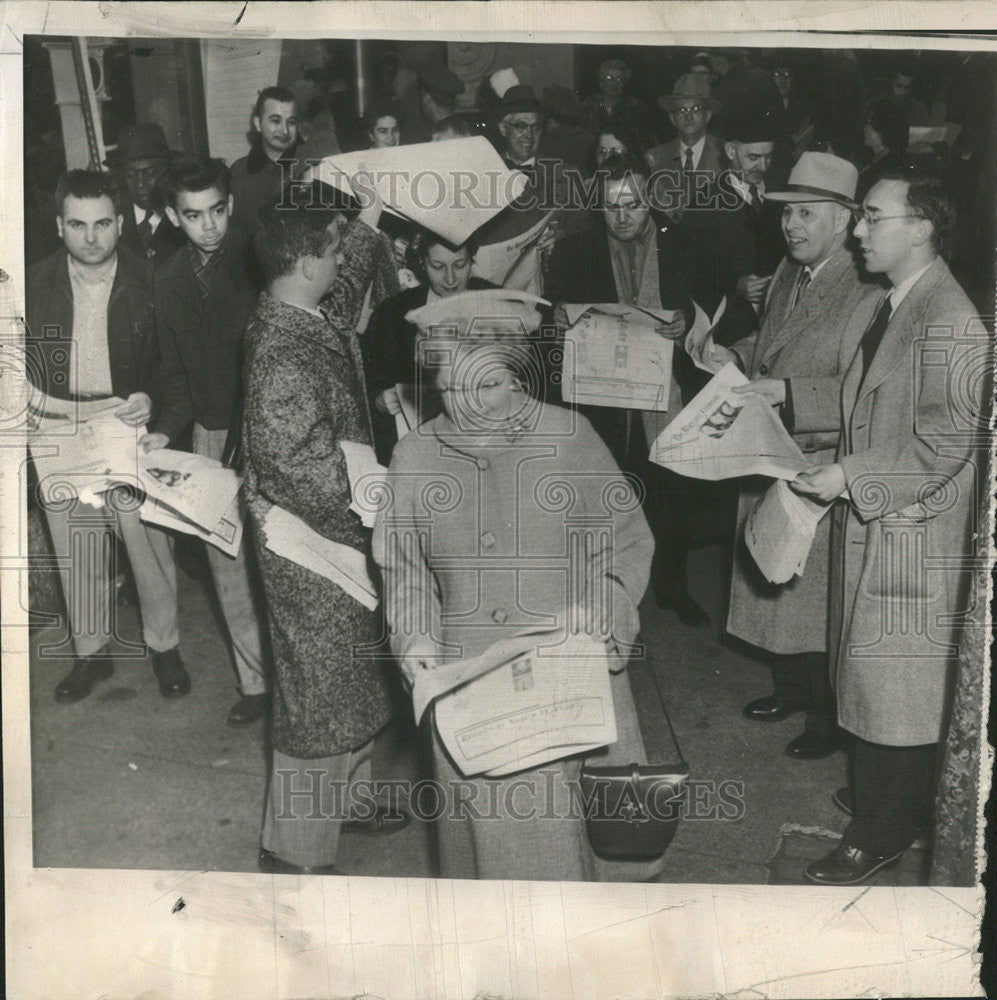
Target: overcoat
811, 345
913, 435
304, 395
476, 545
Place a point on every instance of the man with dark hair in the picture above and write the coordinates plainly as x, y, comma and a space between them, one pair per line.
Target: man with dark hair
635, 258
304, 398
906, 490
91, 336
257, 179
140, 156
204, 297
453, 127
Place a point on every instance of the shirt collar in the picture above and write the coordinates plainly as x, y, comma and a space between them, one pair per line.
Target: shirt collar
154, 217
744, 190
696, 147
899, 292
102, 274
814, 271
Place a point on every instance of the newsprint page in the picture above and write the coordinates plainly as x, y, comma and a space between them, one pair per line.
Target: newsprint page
496, 499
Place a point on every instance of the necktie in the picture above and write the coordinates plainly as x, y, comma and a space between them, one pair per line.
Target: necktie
802, 283
756, 202
144, 231
873, 337
688, 160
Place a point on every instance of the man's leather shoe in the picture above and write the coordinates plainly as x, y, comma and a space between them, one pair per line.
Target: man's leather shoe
79, 682
383, 820
811, 746
174, 681
771, 709
268, 863
689, 613
848, 866
844, 799
249, 708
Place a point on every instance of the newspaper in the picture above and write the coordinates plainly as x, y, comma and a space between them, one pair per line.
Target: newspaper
408, 416
528, 708
514, 263
699, 340
366, 477
427, 182
289, 537
614, 357
780, 530
756, 443
226, 535
199, 489
81, 447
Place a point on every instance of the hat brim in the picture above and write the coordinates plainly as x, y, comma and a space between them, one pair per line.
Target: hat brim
814, 195
518, 107
669, 102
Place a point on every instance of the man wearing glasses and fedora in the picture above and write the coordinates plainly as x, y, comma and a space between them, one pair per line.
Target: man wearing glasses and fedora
816, 302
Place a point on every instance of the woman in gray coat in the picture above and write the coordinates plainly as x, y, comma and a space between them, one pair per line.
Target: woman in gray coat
474, 547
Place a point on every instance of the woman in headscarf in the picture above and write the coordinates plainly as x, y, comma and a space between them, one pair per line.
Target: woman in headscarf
503, 514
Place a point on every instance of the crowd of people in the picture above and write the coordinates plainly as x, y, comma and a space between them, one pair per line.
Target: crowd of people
274, 323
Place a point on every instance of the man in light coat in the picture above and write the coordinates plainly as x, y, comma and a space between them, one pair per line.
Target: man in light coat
914, 429
816, 308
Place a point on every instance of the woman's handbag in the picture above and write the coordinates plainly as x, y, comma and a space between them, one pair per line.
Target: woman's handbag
632, 812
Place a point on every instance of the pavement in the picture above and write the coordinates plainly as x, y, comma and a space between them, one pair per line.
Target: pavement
128, 779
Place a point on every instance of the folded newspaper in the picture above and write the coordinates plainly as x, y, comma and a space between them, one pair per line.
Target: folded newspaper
780, 530
722, 435
613, 356
527, 700
699, 339
366, 477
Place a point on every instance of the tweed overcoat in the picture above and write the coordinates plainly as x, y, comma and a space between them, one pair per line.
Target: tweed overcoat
811, 345
304, 395
475, 545
913, 434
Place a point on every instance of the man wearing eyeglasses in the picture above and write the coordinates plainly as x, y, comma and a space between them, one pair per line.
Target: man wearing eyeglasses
612, 106
908, 477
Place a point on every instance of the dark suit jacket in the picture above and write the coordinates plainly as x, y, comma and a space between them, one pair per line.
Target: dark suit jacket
131, 338
201, 340
166, 240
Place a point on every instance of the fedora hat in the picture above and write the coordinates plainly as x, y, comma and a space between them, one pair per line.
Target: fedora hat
689, 87
144, 141
518, 98
820, 177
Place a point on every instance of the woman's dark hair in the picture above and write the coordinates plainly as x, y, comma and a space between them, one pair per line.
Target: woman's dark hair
371, 118
890, 121
634, 146
424, 241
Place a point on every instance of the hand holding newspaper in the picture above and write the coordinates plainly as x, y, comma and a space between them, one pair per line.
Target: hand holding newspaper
366, 477
780, 530
514, 263
699, 339
614, 356
723, 435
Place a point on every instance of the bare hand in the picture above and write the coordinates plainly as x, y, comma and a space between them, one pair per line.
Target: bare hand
136, 411
550, 235
388, 401
716, 356
674, 330
561, 316
820, 482
153, 442
371, 205
772, 390
752, 287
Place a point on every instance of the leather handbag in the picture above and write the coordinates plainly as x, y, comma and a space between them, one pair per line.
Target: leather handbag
632, 811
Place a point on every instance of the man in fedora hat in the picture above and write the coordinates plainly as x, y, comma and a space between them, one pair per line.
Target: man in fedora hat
431, 99
690, 108
797, 361
140, 156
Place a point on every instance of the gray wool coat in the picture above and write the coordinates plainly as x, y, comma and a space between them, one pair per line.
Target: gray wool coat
914, 436
811, 345
304, 394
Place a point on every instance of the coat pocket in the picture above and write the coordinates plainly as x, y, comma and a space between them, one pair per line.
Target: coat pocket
898, 565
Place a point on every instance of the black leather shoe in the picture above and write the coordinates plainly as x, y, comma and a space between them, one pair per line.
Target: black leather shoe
79, 682
689, 613
771, 709
249, 708
811, 746
268, 863
174, 681
848, 866
844, 799
383, 821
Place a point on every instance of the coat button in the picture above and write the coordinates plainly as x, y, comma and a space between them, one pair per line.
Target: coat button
499, 616
763, 369
487, 540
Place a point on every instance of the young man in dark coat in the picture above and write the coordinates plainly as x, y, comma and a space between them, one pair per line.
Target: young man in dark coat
204, 297
91, 336
305, 396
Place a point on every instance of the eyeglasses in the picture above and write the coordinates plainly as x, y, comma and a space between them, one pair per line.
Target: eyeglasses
521, 128
872, 221
691, 109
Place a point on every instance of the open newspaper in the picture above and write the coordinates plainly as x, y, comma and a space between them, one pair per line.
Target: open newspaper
514, 263
428, 182
613, 356
523, 702
722, 435
780, 530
